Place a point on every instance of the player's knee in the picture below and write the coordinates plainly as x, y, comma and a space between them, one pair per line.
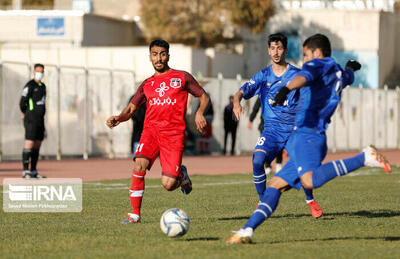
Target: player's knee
259, 159
169, 186
278, 183
306, 180
141, 164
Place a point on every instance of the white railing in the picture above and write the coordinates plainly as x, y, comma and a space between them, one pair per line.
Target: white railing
385, 5
80, 99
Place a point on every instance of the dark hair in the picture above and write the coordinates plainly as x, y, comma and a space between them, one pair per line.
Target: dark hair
38, 65
319, 41
160, 43
276, 37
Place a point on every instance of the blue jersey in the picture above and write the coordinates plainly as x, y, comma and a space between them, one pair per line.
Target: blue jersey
320, 97
266, 84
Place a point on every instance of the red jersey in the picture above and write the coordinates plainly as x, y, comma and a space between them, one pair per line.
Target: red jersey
166, 98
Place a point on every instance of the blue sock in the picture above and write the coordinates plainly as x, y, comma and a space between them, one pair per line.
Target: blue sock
265, 208
259, 175
309, 194
328, 171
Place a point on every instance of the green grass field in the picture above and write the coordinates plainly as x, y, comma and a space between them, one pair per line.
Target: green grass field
361, 219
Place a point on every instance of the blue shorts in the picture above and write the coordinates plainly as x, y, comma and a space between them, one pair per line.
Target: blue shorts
273, 140
306, 152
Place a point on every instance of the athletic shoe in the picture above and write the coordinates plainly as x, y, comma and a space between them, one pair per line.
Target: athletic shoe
132, 218
375, 159
316, 211
36, 175
26, 174
243, 236
278, 167
186, 185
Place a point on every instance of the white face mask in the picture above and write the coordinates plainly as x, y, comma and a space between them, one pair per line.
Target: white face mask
38, 76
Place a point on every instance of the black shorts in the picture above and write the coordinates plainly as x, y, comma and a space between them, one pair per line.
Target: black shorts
34, 130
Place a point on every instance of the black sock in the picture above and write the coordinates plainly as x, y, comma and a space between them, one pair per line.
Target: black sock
34, 158
26, 155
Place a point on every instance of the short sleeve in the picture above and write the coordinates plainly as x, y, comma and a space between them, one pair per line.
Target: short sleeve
310, 71
252, 87
192, 86
139, 98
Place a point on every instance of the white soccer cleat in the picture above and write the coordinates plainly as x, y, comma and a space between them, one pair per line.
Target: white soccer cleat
243, 236
26, 174
278, 167
268, 170
132, 218
375, 159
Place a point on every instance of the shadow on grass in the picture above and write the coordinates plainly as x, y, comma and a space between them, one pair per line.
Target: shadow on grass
201, 239
388, 238
361, 213
331, 216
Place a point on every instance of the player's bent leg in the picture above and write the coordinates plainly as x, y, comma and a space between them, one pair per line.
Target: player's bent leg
169, 183
266, 207
307, 180
259, 175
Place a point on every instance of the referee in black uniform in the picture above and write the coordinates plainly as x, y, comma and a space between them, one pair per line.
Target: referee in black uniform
33, 108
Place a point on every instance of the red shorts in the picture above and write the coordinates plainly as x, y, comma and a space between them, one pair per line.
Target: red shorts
166, 143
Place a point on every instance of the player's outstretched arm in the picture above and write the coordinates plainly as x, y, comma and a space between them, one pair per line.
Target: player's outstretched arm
125, 115
237, 107
199, 118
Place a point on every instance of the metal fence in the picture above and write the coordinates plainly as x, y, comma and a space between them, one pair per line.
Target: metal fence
79, 100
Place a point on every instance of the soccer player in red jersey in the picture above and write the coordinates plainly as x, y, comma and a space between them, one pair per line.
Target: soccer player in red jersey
165, 94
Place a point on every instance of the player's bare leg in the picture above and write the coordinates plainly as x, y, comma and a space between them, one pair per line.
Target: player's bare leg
136, 190
182, 181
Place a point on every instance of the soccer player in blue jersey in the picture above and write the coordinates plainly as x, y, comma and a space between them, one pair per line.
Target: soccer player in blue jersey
278, 120
320, 81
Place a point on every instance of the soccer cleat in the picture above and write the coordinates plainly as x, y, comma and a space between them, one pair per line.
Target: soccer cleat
26, 174
186, 185
375, 159
36, 175
132, 218
243, 236
316, 211
268, 170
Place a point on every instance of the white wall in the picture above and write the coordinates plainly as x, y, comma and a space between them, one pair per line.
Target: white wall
387, 46
19, 29
131, 58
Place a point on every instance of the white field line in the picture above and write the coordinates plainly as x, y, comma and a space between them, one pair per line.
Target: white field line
126, 187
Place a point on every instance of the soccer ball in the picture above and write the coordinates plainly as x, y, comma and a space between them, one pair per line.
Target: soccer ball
174, 222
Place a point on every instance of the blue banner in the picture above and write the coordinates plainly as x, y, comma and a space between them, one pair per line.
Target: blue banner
50, 26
